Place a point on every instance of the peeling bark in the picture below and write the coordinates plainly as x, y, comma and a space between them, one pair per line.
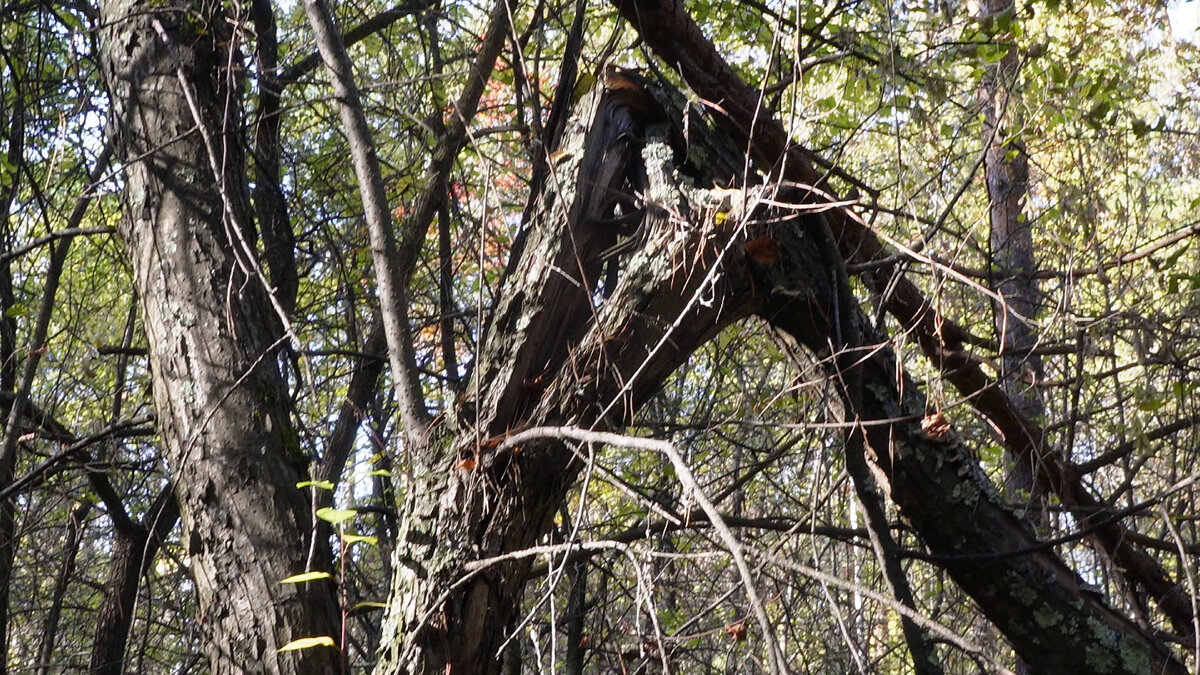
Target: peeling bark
676, 38
558, 352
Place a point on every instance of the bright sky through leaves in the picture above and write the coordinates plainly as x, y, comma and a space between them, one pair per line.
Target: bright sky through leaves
1184, 18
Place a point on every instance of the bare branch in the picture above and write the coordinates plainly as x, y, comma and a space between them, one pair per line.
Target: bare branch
390, 279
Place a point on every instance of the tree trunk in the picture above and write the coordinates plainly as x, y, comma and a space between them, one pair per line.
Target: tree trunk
134, 548
222, 409
993, 555
71, 550
556, 353
1006, 168
15, 138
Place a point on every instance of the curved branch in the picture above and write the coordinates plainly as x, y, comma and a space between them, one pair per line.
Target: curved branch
677, 39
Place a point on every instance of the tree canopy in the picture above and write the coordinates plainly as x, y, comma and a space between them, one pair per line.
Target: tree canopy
640, 336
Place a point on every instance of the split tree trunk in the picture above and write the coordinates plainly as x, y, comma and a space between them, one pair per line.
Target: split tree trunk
562, 349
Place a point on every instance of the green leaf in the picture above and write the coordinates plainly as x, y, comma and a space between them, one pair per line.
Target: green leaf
992, 53
307, 643
70, 20
356, 538
582, 86
381, 472
1004, 20
1100, 110
359, 606
1058, 74
307, 576
323, 484
1174, 257
336, 516
1151, 404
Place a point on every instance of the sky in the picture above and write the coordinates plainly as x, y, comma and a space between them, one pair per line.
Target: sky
1185, 14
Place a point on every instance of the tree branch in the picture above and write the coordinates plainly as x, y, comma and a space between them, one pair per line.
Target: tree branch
677, 39
389, 276
380, 21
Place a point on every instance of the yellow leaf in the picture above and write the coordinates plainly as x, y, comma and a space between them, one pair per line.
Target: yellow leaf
366, 605
307, 576
306, 643
336, 516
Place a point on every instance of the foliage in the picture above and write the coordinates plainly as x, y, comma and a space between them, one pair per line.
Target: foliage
886, 92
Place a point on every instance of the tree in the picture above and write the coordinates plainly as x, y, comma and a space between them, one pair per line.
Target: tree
222, 411
541, 414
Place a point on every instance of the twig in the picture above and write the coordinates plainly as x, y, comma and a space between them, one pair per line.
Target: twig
692, 487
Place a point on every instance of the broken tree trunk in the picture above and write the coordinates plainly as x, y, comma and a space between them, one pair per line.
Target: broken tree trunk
571, 341
632, 261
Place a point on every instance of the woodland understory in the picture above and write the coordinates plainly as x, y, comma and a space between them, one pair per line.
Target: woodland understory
642, 336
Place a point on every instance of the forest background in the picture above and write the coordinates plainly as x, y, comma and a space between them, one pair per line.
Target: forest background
847, 336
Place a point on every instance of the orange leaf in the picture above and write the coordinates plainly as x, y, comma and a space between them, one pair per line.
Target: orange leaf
737, 630
935, 425
763, 250
467, 463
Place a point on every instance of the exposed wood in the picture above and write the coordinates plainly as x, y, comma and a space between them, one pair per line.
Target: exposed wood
557, 353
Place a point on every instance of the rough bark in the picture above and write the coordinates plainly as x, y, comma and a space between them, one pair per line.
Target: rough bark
221, 404
558, 353
1039, 603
